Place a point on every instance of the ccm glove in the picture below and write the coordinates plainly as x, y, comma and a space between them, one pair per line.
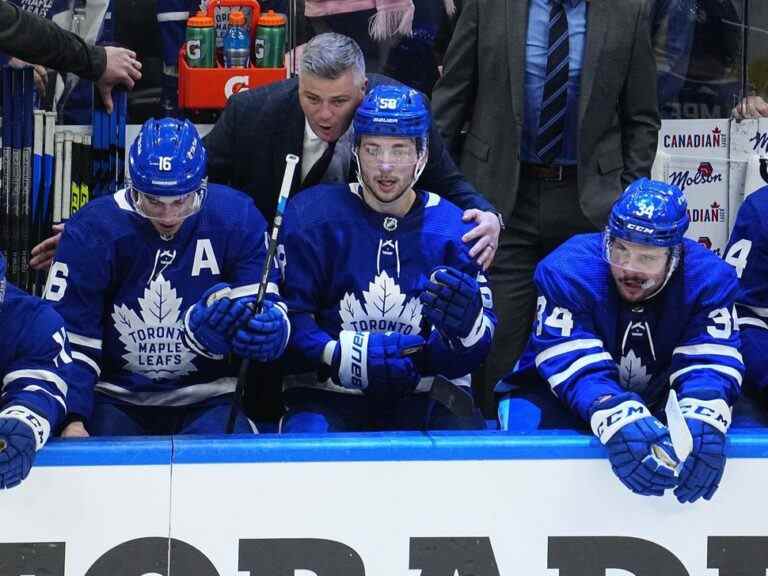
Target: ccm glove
708, 421
210, 327
452, 302
378, 363
639, 447
264, 336
22, 433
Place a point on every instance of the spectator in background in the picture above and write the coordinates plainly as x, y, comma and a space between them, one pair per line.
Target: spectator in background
562, 115
40, 41
672, 23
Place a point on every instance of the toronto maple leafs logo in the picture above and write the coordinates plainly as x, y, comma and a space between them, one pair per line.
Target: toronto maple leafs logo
153, 340
634, 376
385, 309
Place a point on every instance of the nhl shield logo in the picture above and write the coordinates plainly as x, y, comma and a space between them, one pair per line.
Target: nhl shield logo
390, 224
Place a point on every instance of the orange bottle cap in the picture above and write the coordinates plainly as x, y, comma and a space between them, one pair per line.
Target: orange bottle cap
200, 20
272, 18
236, 18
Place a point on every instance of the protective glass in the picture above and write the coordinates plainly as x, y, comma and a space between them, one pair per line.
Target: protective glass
649, 260
164, 208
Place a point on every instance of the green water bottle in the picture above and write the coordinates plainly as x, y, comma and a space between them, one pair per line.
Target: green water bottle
200, 40
269, 44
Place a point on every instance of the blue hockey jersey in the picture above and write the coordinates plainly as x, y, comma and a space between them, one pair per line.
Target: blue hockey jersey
124, 291
587, 342
35, 361
347, 267
747, 252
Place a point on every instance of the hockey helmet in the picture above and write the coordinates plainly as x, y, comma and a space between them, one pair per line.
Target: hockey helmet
166, 164
392, 110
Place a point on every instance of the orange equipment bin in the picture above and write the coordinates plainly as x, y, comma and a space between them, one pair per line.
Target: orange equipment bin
210, 88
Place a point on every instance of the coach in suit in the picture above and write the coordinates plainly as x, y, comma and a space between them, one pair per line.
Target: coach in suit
311, 116
559, 97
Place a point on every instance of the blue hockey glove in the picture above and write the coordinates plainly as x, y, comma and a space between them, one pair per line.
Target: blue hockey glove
211, 326
22, 433
708, 421
378, 363
264, 336
452, 302
639, 447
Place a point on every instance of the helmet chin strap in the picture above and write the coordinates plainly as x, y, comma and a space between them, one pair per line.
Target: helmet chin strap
418, 169
674, 260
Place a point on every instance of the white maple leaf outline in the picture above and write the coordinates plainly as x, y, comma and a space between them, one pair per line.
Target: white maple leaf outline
632, 372
158, 296
383, 301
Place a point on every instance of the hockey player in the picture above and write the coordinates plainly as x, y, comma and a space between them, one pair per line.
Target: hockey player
382, 292
35, 363
133, 279
614, 333
747, 252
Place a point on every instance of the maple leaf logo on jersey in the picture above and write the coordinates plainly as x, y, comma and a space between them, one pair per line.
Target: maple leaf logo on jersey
153, 340
632, 373
385, 309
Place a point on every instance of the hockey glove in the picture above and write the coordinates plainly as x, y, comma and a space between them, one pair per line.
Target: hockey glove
378, 363
264, 336
708, 422
452, 302
22, 433
210, 326
639, 447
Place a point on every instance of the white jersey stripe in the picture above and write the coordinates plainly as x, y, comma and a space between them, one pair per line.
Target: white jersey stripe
185, 396
727, 370
36, 388
94, 343
560, 377
85, 359
709, 349
565, 347
46, 375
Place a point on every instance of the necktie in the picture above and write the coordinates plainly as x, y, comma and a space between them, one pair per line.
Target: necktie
549, 141
320, 167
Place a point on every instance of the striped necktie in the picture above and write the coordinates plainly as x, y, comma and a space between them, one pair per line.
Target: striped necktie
549, 141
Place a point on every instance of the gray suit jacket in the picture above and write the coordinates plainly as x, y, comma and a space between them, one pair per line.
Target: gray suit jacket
482, 85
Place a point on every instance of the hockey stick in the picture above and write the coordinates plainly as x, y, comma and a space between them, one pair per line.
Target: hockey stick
285, 189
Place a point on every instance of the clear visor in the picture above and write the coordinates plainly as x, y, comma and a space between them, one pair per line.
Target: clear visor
395, 154
648, 260
167, 208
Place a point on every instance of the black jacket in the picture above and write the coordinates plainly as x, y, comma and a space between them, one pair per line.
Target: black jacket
248, 145
40, 41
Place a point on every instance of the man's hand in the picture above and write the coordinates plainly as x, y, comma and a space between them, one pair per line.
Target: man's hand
41, 74
750, 107
43, 253
122, 68
486, 233
211, 326
264, 336
74, 430
452, 302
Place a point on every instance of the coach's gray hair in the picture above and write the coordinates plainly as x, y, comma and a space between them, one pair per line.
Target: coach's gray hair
330, 55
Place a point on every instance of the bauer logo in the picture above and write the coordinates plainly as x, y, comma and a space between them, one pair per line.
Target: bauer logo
705, 174
713, 139
235, 84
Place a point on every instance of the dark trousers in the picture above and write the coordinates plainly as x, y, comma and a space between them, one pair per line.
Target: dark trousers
546, 214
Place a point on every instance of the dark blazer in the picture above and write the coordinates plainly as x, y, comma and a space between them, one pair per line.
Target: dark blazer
40, 41
248, 145
483, 84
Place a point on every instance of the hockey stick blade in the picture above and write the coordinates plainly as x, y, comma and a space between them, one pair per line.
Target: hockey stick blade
682, 441
450, 396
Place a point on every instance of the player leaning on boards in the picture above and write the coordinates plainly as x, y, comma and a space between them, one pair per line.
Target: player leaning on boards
622, 318
132, 279
382, 292
35, 363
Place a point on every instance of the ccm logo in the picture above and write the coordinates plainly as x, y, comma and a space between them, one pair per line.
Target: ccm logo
235, 85
639, 228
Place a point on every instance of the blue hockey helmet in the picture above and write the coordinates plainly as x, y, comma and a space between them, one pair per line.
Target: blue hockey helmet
167, 163
392, 110
650, 212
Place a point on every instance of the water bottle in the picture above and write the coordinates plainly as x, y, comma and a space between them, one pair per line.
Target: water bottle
269, 46
237, 42
201, 38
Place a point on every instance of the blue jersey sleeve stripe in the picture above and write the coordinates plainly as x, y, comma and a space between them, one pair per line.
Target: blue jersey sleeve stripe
557, 379
726, 370
87, 360
45, 375
709, 350
80, 340
35, 388
566, 347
